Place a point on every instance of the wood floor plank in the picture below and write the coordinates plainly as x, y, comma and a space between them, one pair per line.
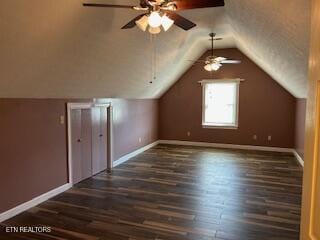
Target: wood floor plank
177, 193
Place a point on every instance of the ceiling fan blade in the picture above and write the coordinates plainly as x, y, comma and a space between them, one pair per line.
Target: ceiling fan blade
132, 23
106, 5
191, 4
231, 61
180, 21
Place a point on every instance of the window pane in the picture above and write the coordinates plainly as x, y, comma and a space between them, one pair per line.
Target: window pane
220, 103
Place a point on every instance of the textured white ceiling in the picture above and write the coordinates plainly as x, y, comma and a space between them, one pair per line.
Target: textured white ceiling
57, 48
275, 35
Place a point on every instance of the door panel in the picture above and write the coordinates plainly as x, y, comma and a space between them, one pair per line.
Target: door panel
316, 214
76, 145
316, 185
95, 140
99, 134
86, 143
310, 220
103, 138
310, 224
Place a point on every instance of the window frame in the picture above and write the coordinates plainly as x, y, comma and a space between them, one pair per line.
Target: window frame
204, 83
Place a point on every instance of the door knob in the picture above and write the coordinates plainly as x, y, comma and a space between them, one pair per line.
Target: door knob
79, 140
101, 135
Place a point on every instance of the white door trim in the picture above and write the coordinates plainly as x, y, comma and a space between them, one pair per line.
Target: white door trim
88, 105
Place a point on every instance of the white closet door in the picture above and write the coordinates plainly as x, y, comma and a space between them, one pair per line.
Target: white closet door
86, 143
103, 138
81, 131
76, 145
99, 142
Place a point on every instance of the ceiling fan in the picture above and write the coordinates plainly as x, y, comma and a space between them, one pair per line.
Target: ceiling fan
161, 13
212, 62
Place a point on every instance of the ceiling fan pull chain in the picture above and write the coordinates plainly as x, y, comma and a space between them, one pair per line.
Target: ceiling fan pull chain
212, 39
153, 58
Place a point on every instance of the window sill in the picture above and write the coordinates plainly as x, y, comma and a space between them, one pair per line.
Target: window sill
219, 127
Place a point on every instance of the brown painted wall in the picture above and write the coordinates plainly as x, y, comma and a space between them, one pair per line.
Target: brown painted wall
133, 119
300, 126
265, 107
33, 149
33, 144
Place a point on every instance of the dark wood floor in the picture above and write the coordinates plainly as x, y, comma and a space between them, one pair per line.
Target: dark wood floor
174, 193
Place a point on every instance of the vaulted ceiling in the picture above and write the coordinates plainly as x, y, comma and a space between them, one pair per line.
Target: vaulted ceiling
57, 48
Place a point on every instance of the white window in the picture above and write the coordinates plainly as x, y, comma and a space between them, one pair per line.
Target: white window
220, 103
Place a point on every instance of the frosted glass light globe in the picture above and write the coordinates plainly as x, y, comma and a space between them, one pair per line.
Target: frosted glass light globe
166, 23
156, 30
142, 23
215, 66
208, 67
154, 20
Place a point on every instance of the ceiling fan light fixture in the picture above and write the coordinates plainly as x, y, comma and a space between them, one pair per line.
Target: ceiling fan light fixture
212, 67
154, 20
142, 23
154, 30
166, 22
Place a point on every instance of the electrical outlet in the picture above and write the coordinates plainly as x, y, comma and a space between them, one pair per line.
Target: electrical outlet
255, 137
140, 140
269, 138
188, 134
62, 120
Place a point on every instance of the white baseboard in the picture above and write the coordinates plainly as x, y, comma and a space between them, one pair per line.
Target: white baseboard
233, 146
134, 153
44, 197
229, 146
298, 157
33, 202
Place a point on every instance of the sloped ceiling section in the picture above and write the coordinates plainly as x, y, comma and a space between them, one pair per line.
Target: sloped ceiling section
275, 35
58, 49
